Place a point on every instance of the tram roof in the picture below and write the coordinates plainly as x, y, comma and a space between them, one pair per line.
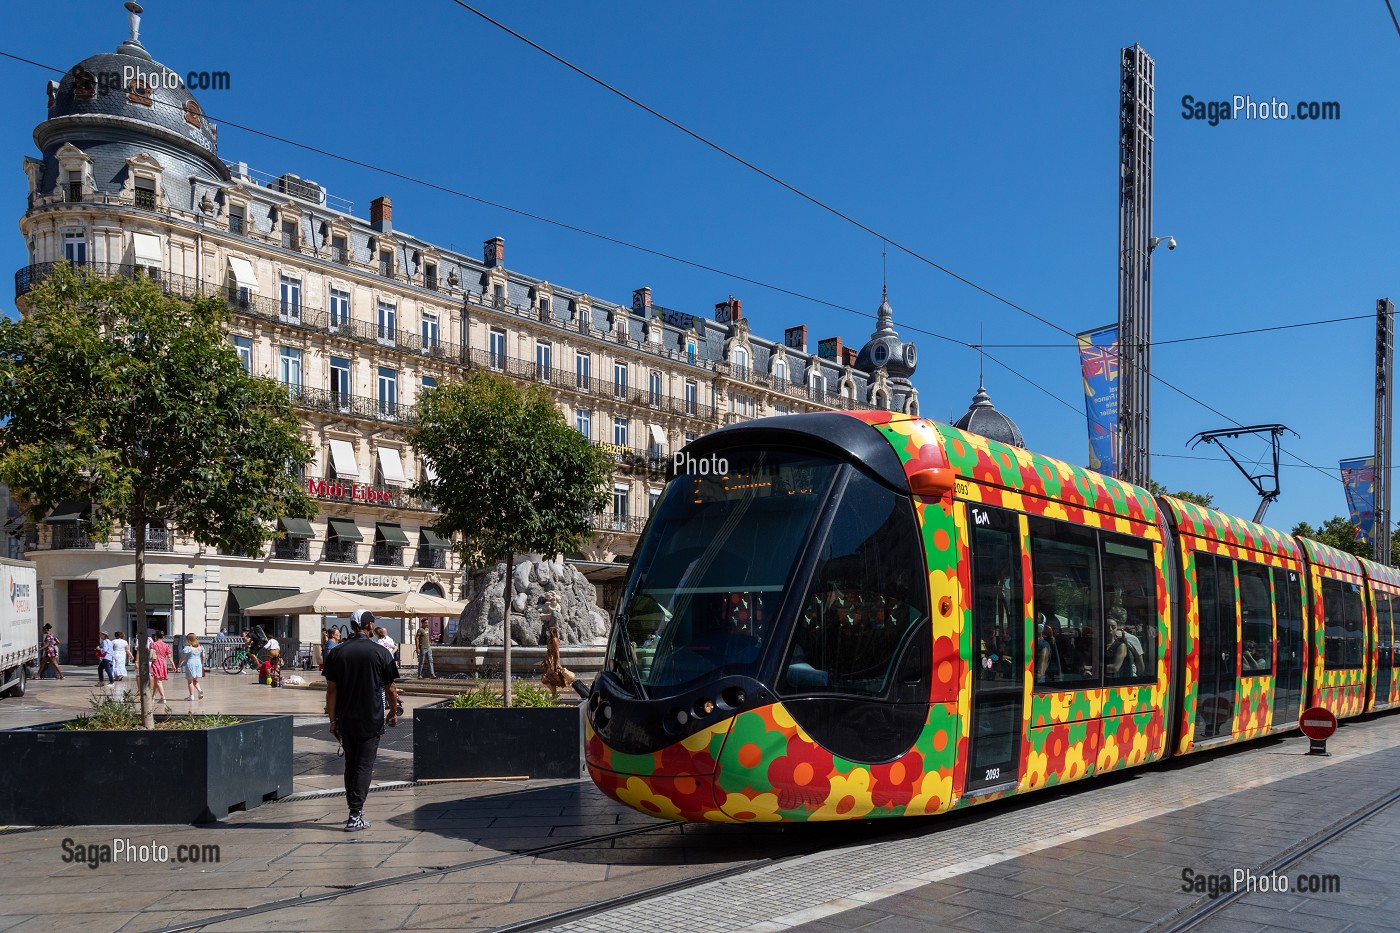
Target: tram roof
1203, 522
1381, 572
1327, 556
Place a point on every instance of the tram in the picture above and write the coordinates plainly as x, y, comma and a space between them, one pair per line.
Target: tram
844, 616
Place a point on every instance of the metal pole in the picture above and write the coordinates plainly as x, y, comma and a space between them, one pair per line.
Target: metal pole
1385, 365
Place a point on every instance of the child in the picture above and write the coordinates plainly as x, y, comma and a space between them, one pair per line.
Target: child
193, 663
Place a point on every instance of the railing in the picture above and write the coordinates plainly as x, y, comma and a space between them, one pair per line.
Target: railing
341, 552
157, 539
432, 558
570, 380
68, 537
362, 406
292, 549
387, 555
252, 304
630, 524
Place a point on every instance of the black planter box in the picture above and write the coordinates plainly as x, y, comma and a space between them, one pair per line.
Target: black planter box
52, 777
497, 742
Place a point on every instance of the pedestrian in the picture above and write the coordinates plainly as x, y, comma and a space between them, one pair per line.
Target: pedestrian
192, 660
425, 652
332, 641
104, 657
360, 698
48, 653
381, 637
121, 656
160, 664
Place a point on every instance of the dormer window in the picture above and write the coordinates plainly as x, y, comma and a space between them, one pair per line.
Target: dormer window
741, 363
75, 186
291, 234
340, 249
84, 86
236, 218
430, 280
498, 295
386, 263
145, 193
139, 91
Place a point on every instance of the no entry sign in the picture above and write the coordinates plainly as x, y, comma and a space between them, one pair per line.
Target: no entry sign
1317, 724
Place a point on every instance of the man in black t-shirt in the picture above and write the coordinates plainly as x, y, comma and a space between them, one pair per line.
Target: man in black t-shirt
360, 688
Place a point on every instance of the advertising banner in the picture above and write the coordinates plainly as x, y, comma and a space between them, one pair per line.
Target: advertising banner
1098, 361
1359, 481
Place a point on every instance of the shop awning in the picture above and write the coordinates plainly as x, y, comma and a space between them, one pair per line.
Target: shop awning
243, 273
297, 527
148, 251
249, 597
391, 466
158, 595
658, 435
390, 533
433, 539
429, 471
69, 512
343, 459
344, 529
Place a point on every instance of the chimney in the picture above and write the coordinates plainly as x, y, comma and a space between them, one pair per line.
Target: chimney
381, 214
641, 301
829, 349
795, 338
849, 356
493, 252
727, 312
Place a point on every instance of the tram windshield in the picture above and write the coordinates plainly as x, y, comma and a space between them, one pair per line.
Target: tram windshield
711, 571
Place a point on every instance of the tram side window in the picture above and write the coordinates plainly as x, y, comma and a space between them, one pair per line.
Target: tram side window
1068, 617
1344, 638
1130, 622
997, 608
1256, 605
1385, 635
867, 598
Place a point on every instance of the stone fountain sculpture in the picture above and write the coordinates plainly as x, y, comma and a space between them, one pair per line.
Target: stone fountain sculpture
546, 592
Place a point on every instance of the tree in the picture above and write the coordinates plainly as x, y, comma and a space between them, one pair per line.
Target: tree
510, 476
1204, 500
135, 400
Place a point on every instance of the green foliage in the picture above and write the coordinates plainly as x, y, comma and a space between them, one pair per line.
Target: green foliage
512, 477
121, 713
522, 694
1205, 500
115, 392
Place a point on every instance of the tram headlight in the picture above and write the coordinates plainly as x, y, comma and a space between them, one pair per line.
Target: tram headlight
704, 707
734, 697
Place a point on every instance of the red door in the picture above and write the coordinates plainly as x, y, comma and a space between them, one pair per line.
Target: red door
82, 621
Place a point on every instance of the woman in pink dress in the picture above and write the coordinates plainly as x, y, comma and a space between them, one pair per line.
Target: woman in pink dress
160, 665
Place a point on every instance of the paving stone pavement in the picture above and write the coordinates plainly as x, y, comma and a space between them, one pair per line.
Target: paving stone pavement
1104, 855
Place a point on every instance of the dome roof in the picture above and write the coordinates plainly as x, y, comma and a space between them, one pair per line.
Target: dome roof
982, 418
128, 83
885, 348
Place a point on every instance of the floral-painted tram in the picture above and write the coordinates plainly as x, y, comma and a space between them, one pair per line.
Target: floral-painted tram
849, 616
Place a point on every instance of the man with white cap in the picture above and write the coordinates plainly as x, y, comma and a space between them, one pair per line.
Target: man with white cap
360, 697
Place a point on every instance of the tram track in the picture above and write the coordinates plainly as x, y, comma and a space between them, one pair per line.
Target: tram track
1198, 914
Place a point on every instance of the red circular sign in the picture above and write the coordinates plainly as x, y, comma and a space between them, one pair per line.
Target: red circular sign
1317, 723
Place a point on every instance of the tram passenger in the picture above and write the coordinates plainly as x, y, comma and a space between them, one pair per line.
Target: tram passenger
1047, 655
1253, 658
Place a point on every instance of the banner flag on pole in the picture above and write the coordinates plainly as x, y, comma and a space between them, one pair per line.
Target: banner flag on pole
1359, 481
1098, 361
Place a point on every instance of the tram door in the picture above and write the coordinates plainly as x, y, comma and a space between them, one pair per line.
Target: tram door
1385, 642
1216, 647
1288, 674
998, 648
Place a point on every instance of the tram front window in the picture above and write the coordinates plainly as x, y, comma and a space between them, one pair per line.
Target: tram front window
712, 569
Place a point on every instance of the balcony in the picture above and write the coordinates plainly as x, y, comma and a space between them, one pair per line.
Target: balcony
69, 538
627, 524
157, 539
292, 549
341, 552
432, 558
387, 555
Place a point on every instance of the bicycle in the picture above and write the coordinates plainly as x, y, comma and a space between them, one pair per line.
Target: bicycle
240, 660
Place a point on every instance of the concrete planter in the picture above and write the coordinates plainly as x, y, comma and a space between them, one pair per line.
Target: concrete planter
497, 742
52, 777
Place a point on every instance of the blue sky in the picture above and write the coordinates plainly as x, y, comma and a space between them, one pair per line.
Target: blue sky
982, 135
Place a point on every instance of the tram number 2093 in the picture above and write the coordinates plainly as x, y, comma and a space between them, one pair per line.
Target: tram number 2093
993, 774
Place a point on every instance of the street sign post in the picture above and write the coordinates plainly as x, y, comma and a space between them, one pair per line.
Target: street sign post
1318, 725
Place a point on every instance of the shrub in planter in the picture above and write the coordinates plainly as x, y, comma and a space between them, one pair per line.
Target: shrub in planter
199, 768
473, 736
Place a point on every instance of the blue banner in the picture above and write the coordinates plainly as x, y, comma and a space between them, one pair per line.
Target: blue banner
1098, 361
1359, 481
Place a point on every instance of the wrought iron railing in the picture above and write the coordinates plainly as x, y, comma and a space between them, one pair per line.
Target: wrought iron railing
292, 549
341, 552
387, 555
630, 524
432, 558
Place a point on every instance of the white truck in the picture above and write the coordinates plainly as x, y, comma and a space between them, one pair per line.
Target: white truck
19, 627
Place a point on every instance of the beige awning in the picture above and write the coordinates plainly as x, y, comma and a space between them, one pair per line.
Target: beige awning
148, 250
391, 466
243, 273
343, 458
658, 435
